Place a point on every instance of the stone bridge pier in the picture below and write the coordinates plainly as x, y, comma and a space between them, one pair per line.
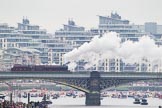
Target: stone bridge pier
93, 97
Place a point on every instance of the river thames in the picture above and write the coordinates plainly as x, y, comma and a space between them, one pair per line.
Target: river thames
107, 102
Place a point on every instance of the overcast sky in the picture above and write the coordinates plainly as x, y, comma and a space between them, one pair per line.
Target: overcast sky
51, 14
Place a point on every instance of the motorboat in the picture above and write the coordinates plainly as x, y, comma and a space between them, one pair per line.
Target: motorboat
122, 96
46, 102
33, 95
25, 95
2, 96
137, 101
144, 102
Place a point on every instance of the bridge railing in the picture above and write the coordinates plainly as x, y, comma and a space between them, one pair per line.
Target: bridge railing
12, 75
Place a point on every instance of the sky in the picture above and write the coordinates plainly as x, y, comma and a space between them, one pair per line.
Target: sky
52, 14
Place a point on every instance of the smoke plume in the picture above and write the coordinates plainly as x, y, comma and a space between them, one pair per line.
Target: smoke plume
110, 46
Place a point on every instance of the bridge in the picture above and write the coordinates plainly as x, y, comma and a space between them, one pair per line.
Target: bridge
92, 83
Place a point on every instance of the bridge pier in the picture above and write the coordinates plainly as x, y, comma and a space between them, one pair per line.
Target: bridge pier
93, 97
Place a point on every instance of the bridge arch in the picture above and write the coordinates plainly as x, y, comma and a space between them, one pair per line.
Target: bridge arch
114, 82
80, 85
73, 86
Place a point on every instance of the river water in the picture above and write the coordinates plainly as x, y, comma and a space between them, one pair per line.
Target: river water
107, 102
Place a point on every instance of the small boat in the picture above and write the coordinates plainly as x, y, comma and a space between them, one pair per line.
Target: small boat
41, 95
74, 95
55, 96
46, 102
101, 98
131, 96
160, 96
33, 90
2, 96
137, 101
69, 94
33, 95
25, 95
122, 96
114, 96
144, 102
144, 96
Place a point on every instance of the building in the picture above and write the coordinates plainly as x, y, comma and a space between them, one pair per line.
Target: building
76, 35
29, 43
14, 55
127, 31
154, 30
150, 27
31, 37
10, 37
115, 23
52, 48
55, 50
112, 65
159, 29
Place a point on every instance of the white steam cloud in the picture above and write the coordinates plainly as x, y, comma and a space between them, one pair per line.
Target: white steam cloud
110, 46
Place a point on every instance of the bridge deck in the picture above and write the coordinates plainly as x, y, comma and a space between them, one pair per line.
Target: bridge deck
78, 75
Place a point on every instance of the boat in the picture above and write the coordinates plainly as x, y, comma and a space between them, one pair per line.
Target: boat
101, 98
137, 101
114, 96
69, 94
33, 90
25, 95
145, 96
55, 96
33, 95
2, 96
144, 102
74, 95
160, 96
123, 96
46, 100
41, 95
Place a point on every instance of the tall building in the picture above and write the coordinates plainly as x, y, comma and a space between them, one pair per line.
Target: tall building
30, 37
115, 23
76, 35
52, 48
151, 27
31, 44
159, 29
10, 37
113, 65
127, 31
56, 49
153, 30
